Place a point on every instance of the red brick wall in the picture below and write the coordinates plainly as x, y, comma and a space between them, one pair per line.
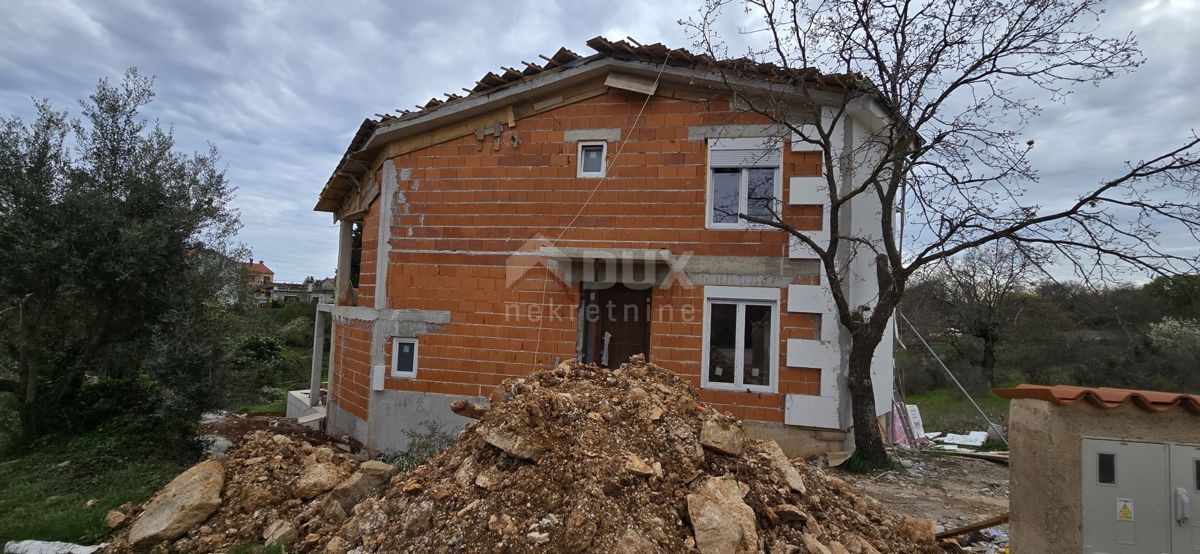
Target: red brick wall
465, 208
351, 379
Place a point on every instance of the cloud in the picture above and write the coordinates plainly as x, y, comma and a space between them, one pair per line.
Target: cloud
280, 88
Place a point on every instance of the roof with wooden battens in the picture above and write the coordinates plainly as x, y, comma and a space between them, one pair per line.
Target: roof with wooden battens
358, 157
1103, 397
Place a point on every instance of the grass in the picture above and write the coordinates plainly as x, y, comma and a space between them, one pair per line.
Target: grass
276, 407
948, 411
44, 489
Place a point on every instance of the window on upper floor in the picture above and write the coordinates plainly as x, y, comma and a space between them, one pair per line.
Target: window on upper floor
592, 159
741, 339
743, 178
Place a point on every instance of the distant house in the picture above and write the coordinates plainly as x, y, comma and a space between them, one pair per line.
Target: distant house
589, 208
311, 291
261, 281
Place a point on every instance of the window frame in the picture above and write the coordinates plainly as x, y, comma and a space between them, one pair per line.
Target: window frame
395, 372
743, 193
579, 171
741, 297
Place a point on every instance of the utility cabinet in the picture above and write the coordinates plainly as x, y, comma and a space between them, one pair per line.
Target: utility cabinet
1137, 497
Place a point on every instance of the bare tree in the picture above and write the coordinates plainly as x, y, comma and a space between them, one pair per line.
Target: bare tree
928, 99
978, 297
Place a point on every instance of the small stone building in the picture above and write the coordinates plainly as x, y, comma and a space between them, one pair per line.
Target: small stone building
1103, 470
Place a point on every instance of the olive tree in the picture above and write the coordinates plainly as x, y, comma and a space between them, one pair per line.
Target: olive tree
117, 256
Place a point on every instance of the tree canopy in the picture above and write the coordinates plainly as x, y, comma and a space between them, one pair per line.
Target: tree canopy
118, 257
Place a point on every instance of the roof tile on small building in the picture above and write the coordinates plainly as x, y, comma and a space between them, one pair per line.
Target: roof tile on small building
1103, 397
259, 268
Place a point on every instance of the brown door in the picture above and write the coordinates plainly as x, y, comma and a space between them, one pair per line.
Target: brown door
617, 324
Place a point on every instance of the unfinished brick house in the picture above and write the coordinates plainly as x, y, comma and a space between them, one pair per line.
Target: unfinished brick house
584, 208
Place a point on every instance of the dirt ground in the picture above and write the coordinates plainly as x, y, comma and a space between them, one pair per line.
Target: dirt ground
952, 491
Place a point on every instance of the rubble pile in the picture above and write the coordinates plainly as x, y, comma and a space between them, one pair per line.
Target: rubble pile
580, 458
273, 489
572, 459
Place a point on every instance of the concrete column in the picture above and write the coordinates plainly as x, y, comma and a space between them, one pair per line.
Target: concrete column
318, 355
342, 285
387, 197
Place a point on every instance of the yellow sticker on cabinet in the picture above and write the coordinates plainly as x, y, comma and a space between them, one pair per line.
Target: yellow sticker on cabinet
1124, 509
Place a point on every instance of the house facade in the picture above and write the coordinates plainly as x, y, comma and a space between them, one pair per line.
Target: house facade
261, 281
587, 208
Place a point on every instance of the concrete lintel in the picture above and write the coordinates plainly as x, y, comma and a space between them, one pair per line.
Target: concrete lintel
579, 135
747, 271
702, 132
363, 313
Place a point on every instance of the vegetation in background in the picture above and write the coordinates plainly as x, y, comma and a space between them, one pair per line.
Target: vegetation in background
1128, 336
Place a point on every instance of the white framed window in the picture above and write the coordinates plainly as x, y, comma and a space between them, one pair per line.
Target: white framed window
592, 158
740, 339
744, 177
404, 358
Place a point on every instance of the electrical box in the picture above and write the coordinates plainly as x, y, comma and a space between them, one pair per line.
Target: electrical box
1137, 497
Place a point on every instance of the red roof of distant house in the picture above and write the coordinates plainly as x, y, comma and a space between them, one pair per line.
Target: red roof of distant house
259, 267
1103, 397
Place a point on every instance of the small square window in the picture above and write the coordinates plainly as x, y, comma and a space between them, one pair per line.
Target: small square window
1106, 468
404, 358
591, 159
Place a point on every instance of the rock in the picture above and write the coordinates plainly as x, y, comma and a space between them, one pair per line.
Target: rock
281, 440
538, 538
837, 548
857, 545
468, 409
332, 511
501, 525
49, 547
114, 519
185, 502
376, 469
784, 466
633, 543
322, 454
579, 530
812, 545
918, 530
512, 444
790, 513
358, 486
724, 436
637, 466
316, 479
280, 533
906, 463
721, 520
412, 487
336, 545
91, 503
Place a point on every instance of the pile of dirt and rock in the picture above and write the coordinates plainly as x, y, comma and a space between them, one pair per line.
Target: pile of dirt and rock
575, 458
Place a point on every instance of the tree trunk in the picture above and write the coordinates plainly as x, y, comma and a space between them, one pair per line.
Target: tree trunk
868, 443
989, 360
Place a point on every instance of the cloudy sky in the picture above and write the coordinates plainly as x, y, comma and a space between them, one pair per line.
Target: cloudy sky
280, 87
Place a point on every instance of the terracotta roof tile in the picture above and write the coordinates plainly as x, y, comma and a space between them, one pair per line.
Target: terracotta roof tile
1103, 397
256, 267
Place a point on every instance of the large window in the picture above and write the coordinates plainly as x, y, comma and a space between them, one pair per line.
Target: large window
741, 330
743, 178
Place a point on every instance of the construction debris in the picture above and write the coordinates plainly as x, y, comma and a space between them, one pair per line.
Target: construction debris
574, 458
